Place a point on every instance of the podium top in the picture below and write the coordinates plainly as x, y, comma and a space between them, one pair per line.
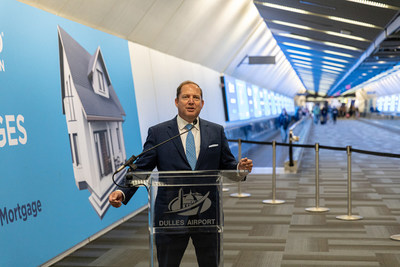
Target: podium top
146, 178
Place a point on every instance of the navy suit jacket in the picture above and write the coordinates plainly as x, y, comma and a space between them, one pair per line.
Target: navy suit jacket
214, 151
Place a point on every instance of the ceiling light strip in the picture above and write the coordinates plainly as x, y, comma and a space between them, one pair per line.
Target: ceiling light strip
302, 66
332, 68
297, 45
300, 11
366, 54
337, 53
335, 59
333, 64
293, 25
374, 4
298, 37
301, 58
298, 52
301, 62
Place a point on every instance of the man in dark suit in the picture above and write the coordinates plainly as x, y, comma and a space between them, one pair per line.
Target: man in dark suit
211, 152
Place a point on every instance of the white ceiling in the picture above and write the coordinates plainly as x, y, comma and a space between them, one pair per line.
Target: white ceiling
218, 34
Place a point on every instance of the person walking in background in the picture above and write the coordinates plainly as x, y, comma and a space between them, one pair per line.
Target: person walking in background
284, 121
316, 113
335, 113
342, 110
324, 113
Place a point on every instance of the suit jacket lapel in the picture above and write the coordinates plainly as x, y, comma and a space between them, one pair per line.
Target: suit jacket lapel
204, 141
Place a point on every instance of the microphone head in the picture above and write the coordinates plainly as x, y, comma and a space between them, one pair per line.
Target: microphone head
195, 121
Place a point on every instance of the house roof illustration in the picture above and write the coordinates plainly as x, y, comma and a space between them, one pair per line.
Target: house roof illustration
82, 65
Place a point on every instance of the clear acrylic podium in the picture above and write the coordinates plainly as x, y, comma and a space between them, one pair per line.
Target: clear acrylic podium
185, 207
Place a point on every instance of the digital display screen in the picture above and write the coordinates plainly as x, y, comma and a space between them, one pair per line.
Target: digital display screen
393, 103
379, 103
244, 101
386, 104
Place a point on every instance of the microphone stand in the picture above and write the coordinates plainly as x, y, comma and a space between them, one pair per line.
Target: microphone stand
133, 158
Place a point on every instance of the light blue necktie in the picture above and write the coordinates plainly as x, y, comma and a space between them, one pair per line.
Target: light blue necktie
190, 147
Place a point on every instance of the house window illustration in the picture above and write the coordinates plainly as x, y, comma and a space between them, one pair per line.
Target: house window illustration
100, 81
118, 139
94, 118
74, 148
69, 100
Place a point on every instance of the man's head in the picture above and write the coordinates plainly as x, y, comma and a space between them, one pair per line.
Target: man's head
189, 100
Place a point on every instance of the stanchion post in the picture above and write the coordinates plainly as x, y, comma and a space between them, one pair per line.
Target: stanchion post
239, 193
349, 216
317, 208
291, 163
273, 200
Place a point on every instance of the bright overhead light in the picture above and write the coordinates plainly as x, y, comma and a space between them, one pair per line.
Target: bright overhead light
325, 83
347, 36
342, 46
297, 45
333, 64
302, 66
337, 53
354, 22
300, 11
330, 71
298, 26
291, 24
298, 37
331, 68
301, 62
306, 72
298, 52
286, 8
327, 79
373, 3
303, 74
302, 58
335, 59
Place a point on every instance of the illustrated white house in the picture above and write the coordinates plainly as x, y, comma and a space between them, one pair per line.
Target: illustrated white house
94, 118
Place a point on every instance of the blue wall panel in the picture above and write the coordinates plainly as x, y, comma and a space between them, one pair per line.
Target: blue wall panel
35, 155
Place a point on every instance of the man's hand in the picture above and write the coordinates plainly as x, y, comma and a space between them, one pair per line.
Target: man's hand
116, 199
245, 164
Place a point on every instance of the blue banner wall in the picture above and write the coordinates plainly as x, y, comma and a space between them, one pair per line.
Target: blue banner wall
44, 208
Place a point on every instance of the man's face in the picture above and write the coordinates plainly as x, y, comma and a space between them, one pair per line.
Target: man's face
189, 102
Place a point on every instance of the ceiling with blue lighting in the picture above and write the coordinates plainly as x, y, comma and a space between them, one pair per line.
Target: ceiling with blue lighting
335, 45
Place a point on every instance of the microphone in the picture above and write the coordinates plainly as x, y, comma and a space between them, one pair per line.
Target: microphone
132, 159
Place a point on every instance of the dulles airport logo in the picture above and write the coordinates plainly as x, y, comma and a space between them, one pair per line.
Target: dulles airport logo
189, 204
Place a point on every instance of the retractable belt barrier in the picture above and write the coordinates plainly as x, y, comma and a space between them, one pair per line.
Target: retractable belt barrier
349, 216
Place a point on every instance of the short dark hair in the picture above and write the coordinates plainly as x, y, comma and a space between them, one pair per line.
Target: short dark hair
178, 90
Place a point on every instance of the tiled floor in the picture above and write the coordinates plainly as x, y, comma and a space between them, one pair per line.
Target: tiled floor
258, 234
